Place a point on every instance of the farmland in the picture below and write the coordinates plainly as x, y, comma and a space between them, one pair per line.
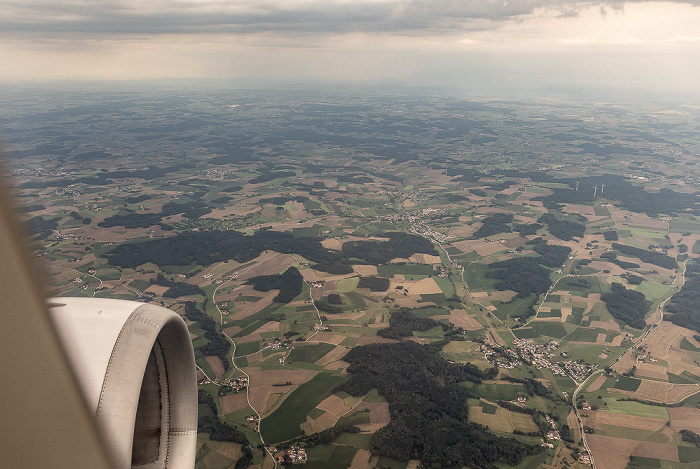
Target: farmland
500, 257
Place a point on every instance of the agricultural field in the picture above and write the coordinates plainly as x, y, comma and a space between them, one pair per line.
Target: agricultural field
287, 249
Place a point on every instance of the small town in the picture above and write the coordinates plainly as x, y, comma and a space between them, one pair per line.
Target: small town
537, 355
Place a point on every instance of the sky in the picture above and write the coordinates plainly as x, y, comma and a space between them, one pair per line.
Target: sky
649, 46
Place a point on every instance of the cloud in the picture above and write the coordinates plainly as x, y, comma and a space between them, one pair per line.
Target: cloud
76, 18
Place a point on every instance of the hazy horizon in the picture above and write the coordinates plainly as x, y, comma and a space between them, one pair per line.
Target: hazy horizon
636, 48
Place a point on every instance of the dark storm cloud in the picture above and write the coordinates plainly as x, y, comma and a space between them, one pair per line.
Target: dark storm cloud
113, 17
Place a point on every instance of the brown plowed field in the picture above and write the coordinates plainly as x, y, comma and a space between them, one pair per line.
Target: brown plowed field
596, 384
461, 319
609, 452
647, 449
361, 460
261, 384
233, 402
685, 417
216, 365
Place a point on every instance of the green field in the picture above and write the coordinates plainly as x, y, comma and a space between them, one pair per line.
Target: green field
551, 329
330, 457
389, 270
283, 424
514, 308
493, 392
636, 408
628, 384
247, 348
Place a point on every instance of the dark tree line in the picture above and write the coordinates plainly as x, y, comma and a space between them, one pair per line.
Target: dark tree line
691, 437
218, 345
651, 257
526, 275
496, 223
562, 229
177, 288
290, 283
207, 247
685, 304
381, 252
626, 305
428, 407
403, 322
620, 189
374, 283
526, 229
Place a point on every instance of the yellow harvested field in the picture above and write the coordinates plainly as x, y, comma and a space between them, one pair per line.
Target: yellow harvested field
685, 417
419, 258
623, 420
375, 339
361, 460
460, 318
365, 269
244, 309
596, 384
332, 243
649, 370
658, 391
328, 337
233, 402
334, 355
663, 343
319, 424
230, 331
607, 325
216, 365
399, 260
311, 275
482, 247
253, 335
157, 290
592, 299
522, 422
424, 287
333, 404
338, 365
262, 384
267, 263
498, 422
682, 391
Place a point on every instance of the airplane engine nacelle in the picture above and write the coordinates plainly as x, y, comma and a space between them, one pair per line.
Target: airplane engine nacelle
135, 365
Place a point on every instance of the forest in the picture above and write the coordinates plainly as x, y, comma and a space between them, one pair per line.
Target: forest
177, 288
523, 275
428, 407
494, 224
562, 229
380, 252
218, 345
403, 322
207, 247
651, 257
684, 306
290, 283
626, 305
